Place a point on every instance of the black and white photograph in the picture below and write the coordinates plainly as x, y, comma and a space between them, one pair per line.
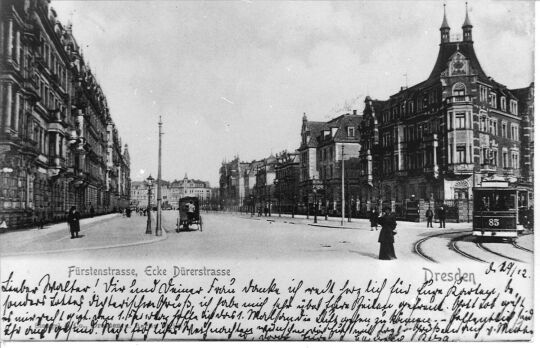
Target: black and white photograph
267, 170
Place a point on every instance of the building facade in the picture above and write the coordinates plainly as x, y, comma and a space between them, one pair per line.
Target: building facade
171, 192
324, 148
431, 143
53, 132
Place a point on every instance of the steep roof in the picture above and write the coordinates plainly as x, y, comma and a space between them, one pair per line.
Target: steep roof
448, 49
315, 128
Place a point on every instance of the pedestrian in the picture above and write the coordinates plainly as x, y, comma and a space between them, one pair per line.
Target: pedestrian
42, 220
374, 219
3, 224
442, 217
73, 221
92, 211
128, 212
530, 218
429, 216
386, 236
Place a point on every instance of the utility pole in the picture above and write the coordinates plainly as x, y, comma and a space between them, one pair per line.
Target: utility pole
342, 183
159, 231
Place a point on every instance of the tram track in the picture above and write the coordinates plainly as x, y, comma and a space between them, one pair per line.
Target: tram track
453, 245
486, 249
517, 246
417, 247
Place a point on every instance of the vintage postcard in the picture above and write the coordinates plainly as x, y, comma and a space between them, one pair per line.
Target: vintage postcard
256, 170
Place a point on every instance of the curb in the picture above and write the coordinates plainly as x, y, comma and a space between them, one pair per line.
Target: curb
59, 251
337, 227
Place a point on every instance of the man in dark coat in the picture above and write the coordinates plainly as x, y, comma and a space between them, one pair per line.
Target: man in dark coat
386, 236
442, 217
73, 221
374, 219
429, 216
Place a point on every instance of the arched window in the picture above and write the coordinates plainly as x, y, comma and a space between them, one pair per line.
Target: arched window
459, 89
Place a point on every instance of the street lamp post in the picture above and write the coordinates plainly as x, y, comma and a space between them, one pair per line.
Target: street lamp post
149, 183
276, 183
325, 188
342, 183
315, 205
348, 202
158, 215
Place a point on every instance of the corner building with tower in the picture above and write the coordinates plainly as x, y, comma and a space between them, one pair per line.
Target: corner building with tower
431, 143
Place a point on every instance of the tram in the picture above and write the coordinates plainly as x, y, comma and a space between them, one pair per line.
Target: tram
501, 210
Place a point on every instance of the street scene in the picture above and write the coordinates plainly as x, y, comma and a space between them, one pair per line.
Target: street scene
243, 237
230, 155
267, 170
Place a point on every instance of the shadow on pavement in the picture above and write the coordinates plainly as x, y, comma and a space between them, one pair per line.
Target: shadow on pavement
373, 256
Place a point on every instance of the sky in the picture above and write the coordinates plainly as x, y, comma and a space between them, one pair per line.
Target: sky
235, 77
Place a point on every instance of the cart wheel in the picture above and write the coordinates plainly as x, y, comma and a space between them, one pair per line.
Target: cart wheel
200, 223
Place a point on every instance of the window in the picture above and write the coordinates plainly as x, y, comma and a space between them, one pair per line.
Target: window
350, 132
495, 157
504, 130
513, 107
514, 132
493, 100
503, 103
461, 152
505, 159
483, 93
460, 120
483, 126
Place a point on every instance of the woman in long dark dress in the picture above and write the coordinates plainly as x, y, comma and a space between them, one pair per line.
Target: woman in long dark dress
386, 236
73, 220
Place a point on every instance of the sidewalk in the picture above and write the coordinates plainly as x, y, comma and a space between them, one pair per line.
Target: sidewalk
106, 231
335, 222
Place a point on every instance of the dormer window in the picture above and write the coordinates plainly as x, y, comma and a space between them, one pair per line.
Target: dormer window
350, 132
503, 103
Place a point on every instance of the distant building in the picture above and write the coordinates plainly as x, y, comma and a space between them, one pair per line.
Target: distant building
188, 188
171, 192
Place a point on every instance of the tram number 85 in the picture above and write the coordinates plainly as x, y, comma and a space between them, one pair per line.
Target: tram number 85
493, 222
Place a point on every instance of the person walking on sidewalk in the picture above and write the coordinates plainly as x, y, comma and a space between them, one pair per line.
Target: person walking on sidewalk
374, 219
73, 221
442, 217
429, 216
386, 236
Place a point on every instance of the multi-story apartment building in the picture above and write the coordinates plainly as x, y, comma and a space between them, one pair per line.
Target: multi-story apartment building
188, 188
231, 183
287, 181
436, 140
53, 112
264, 190
323, 147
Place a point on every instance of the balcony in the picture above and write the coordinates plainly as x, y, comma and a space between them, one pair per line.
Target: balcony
488, 168
459, 99
57, 162
402, 173
431, 170
461, 168
511, 171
